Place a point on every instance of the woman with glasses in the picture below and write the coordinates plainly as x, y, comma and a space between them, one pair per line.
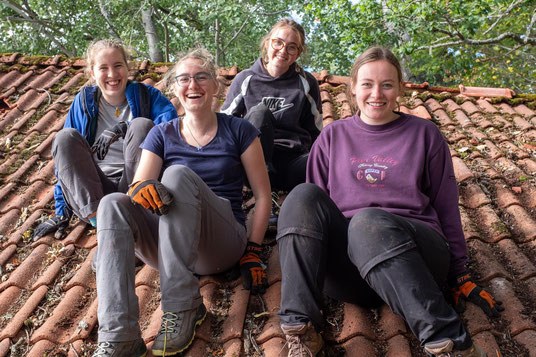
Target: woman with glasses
281, 100
182, 216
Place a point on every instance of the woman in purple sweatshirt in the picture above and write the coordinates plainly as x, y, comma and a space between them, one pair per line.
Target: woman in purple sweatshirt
377, 221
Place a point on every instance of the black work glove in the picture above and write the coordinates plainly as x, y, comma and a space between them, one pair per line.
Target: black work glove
466, 289
107, 138
253, 274
55, 224
152, 195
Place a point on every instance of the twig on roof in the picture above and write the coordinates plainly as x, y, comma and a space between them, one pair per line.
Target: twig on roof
254, 344
262, 302
47, 92
74, 350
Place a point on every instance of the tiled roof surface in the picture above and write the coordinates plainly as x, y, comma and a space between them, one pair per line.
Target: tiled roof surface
47, 289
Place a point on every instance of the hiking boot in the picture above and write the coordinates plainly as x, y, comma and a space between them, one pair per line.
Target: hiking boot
121, 349
446, 349
177, 331
302, 340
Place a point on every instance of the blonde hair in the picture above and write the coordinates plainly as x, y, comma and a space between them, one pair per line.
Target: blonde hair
98, 45
372, 54
288, 23
200, 54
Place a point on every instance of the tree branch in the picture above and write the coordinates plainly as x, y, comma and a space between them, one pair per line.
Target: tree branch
108, 19
33, 19
240, 29
517, 38
530, 26
501, 16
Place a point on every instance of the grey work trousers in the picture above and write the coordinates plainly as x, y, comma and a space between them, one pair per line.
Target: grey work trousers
199, 235
82, 181
376, 256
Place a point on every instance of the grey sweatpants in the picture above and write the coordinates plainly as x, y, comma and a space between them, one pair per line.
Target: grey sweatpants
82, 181
374, 255
199, 235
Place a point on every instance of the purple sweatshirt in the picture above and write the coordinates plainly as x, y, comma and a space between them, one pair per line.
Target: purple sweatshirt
403, 167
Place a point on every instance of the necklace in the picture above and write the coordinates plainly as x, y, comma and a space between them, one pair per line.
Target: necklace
199, 146
117, 112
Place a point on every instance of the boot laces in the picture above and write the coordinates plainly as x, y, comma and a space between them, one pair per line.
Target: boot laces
169, 322
103, 349
296, 348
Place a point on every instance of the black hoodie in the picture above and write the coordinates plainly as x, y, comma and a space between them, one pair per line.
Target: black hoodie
293, 98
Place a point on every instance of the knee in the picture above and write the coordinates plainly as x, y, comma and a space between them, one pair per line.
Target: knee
176, 173
305, 199
181, 181
376, 235
65, 138
140, 126
369, 217
111, 211
259, 115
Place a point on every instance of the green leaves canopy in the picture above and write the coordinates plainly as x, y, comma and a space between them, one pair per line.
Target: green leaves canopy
443, 42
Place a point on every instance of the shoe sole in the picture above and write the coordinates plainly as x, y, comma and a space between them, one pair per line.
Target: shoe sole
197, 323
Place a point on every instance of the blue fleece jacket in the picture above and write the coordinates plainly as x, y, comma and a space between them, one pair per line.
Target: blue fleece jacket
83, 116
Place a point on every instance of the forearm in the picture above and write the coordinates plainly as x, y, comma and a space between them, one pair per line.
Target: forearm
260, 218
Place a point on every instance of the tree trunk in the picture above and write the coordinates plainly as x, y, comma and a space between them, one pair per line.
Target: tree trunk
155, 52
217, 41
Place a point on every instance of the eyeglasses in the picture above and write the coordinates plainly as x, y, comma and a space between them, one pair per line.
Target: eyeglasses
183, 80
278, 44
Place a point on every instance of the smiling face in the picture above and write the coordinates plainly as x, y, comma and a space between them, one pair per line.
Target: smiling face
279, 61
376, 90
195, 97
110, 72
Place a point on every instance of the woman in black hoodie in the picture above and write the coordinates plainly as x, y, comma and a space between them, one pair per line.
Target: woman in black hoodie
281, 100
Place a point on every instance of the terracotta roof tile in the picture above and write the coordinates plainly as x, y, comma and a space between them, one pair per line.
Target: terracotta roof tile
486, 92
527, 338
472, 196
12, 329
398, 346
488, 265
513, 309
486, 106
494, 156
470, 108
524, 110
520, 265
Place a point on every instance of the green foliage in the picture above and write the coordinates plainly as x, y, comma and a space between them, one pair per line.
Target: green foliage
74, 24
443, 42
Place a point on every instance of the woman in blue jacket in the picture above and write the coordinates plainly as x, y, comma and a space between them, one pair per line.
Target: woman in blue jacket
97, 150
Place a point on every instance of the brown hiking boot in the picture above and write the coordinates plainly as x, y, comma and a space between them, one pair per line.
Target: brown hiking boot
445, 349
302, 340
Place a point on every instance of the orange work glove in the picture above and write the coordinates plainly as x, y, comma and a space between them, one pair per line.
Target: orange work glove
152, 195
466, 289
253, 274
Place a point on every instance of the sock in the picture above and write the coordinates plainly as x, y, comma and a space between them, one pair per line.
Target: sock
93, 219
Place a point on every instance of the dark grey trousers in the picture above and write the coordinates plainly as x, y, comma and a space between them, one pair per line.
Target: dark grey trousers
286, 167
376, 256
82, 181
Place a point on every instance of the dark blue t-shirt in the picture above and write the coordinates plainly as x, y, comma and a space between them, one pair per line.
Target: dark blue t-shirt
217, 163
